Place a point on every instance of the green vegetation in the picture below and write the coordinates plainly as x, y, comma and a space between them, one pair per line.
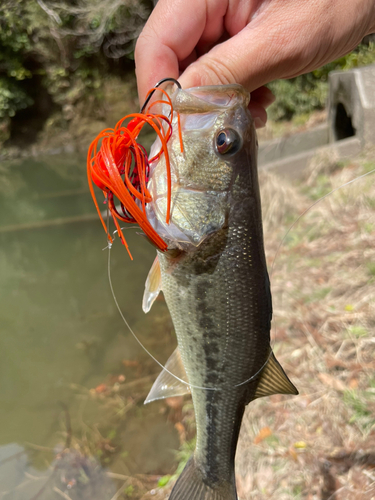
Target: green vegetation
357, 331
362, 415
183, 455
368, 166
318, 294
301, 95
320, 188
371, 268
56, 56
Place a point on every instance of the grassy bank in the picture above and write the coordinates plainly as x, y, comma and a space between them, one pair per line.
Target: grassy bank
319, 445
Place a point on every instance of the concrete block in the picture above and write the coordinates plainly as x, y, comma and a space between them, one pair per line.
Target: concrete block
293, 167
351, 105
282, 147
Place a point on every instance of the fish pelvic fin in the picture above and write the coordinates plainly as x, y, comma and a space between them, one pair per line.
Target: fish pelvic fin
152, 286
274, 380
166, 385
191, 486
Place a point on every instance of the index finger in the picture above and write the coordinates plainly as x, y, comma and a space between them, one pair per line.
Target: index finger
169, 36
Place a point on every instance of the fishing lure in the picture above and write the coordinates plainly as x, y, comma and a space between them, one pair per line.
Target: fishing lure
119, 166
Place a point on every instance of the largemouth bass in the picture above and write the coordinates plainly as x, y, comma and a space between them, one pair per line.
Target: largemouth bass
214, 279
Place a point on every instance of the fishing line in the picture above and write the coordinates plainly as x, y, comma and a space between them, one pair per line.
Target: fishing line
137, 339
109, 247
271, 273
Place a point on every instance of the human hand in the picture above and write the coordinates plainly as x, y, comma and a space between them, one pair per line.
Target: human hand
251, 42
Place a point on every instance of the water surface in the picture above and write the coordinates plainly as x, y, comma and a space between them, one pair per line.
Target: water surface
61, 335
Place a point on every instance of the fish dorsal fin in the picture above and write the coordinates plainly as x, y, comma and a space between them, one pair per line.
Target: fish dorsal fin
166, 386
274, 380
152, 286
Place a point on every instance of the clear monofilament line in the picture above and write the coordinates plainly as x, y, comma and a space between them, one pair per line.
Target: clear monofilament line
137, 339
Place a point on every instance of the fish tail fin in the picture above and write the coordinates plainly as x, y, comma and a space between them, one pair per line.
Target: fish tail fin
191, 486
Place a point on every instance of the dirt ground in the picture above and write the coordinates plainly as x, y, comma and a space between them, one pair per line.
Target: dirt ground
320, 444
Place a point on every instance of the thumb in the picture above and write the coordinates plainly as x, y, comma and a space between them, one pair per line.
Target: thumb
285, 39
248, 58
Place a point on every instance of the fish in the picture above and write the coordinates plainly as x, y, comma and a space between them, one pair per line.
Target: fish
214, 278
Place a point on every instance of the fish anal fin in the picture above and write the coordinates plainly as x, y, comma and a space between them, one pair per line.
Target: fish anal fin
152, 286
167, 385
274, 380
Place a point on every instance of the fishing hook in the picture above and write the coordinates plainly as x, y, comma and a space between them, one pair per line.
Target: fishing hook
154, 89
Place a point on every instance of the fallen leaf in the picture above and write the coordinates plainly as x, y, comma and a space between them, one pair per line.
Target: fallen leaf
101, 388
129, 362
181, 432
263, 434
292, 453
332, 362
175, 402
353, 384
300, 445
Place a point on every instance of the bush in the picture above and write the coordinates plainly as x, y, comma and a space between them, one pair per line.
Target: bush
307, 93
14, 41
12, 98
65, 47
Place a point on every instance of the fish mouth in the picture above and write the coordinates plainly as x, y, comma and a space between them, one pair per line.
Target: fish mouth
200, 177
211, 98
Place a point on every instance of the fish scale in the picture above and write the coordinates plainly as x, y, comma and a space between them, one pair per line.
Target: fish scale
222, 344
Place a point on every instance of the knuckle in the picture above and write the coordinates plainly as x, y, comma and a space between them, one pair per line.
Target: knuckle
144, 40
216, 72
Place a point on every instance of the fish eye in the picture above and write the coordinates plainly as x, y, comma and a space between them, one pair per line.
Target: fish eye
227, 141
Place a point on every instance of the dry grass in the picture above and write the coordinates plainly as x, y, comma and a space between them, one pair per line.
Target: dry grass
319, 445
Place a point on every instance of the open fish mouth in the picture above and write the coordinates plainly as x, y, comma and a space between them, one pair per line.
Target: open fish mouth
199, 192
155, 190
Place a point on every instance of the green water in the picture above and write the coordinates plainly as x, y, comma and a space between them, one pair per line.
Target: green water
61, 334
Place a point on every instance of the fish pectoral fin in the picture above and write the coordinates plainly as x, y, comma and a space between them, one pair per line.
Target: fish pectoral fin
274, 380
152, 286
167, 385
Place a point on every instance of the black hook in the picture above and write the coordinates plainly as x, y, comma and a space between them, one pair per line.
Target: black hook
156, 86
